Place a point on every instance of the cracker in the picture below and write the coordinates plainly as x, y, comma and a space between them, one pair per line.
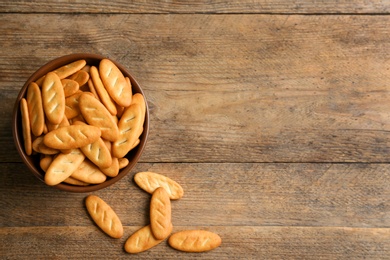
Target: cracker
104, 216
26, 127
139, 99
64, 122
115, 83
35, 109
129, 126
87, 172
96, 114
123, 162
93, 89
135, 144
102, 92
194, 240
113, 169
72, 108
73, 181
65, 70
98, 153
160, 214
69, 69
141, 240
39, 147
72, 136
53, 98
149, 181
81, 77
63, 166
70, 87
45, 162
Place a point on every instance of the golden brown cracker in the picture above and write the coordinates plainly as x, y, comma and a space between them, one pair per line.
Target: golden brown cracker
69, 69
70, 87
123, 162
63, 166
45, 162
115, 83
149, 181
40, 147
98, 153
104, 216
194, 241
53, 98
113, 169
72, 108
75, 182
35, 109
26, 127
96, 114
141, 240
81, 77
160, 214
102, 92
72, 136
88, 172
129, 127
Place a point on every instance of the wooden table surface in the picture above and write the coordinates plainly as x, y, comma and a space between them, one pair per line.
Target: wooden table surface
273, 116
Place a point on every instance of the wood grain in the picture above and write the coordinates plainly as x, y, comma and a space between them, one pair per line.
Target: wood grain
261, 88
238, 242
272, 115
348, 195
201, 6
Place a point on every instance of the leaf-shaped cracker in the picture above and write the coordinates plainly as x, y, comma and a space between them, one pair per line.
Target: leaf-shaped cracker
115, 83
96, 114
194, 240
63, 166
72, 136
104, 216
141, 240
160, 214
149, 181
53, 98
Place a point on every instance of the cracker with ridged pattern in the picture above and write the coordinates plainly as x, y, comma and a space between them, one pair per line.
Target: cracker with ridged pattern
81, 77
150, 181
63, 166
129, 127
160, 214
102, 91
115, 83
53, 98
113, 169
72, 136
194, 241
104, 216
35, 109
70, 87
98, 153
88, 172
96, 114
141, 240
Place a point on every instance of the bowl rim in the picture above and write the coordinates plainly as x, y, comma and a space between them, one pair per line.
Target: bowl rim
16, 122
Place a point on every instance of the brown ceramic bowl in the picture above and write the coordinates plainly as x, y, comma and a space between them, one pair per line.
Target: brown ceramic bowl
32, 161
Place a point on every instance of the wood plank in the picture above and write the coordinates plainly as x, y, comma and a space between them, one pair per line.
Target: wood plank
237, 242
261, 88
202, 6
349, 195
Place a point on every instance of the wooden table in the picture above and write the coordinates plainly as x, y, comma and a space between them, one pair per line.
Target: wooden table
273, 116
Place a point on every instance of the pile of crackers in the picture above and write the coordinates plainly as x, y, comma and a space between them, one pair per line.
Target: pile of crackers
82, 120
163, 190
